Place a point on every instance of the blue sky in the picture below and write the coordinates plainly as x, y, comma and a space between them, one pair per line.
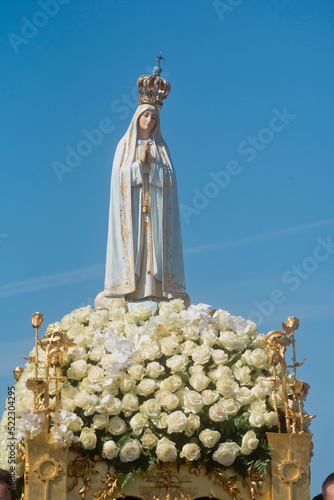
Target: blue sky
249, 123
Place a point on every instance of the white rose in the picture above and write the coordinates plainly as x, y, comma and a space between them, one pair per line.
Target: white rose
226, 453
178, 305
209, 397
84, 338
88, 438
68, 320
161, 422
149, 440
154, 369
209, 438
107, 360
221, 371
81, 315
201, 355
131, 451
68, 404
227, 387
77, 370
177, 363
167, 399
193, 423
129, 404
209, 336
176, 422
166, 308
188, 347
95, 375
113, 406
219, 356
169, 346
258, 406
117, 426
96, 354
180, 394
68, 391
146, 386
242, 373
244, 396
99, 318
257, 419
130, 329
217, 413
152, 352
140, 313
199, 381
83, 385
192, 401
74, 423
80, 399
257, 358
230, 406
172, 383
258, 339
271, 418
196, 369
191, 332
100, 421
166, 450
151, 408
231, 341
138, 357
138, 422
260, 391
136, 371
249, 443
75, 353
67, 397
191, 451
110, 450
126, 383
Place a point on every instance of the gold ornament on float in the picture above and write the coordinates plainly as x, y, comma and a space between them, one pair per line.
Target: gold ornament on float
276, 343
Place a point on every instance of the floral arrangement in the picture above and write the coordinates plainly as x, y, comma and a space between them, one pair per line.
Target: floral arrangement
178, 385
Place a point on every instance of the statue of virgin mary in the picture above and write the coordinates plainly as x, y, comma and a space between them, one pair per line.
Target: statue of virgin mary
144, 251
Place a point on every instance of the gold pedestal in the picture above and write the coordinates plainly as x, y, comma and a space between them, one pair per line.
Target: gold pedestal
45, 475
290, 466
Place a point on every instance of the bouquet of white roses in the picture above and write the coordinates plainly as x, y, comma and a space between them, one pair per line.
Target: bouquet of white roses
179, 385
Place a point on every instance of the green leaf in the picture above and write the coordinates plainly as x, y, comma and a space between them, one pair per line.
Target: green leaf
125, 479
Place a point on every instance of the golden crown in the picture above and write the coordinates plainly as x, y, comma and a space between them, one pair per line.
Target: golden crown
152, 88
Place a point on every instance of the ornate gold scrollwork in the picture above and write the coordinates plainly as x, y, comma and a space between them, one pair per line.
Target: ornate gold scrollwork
168, 484
228, 483
109, 487
254, 479
81, 467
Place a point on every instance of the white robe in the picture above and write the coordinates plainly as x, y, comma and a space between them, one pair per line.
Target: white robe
144, 252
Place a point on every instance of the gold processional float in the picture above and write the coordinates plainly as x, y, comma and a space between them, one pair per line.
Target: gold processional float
51, 473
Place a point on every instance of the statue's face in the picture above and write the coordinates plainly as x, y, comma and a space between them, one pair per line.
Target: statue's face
147, 120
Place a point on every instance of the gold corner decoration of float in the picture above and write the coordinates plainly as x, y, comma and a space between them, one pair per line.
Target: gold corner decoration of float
293, 393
